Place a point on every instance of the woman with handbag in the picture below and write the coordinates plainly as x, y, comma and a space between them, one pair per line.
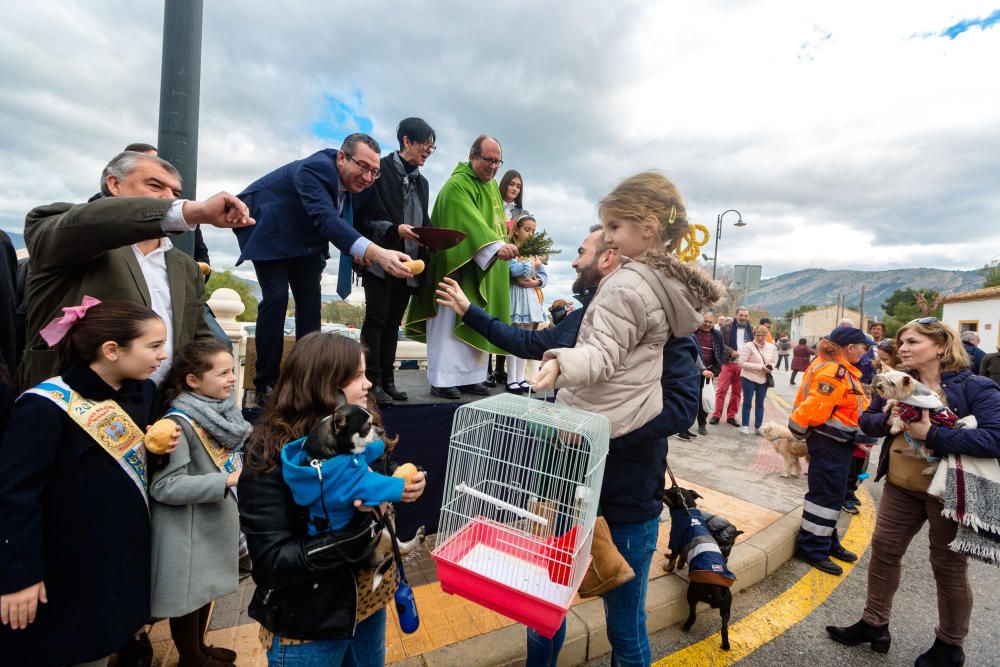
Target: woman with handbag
931, 352
757, 359
313, 596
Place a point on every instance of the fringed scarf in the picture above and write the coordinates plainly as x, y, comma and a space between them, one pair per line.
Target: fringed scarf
970, 489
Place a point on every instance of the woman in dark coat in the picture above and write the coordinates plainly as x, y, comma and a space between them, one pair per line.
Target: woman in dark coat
71, 518
801, 356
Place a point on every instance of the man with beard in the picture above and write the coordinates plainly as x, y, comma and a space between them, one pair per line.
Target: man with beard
680, 379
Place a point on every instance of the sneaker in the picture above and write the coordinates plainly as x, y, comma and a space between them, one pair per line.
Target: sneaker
714, 420
756, 431
702, 430
744, 430
732, 422
853, 497
850, 507
686, 435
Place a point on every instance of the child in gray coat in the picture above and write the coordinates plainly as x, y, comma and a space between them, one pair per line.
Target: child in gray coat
193, 510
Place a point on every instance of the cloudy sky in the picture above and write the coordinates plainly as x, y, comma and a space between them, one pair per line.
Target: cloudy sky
848, 134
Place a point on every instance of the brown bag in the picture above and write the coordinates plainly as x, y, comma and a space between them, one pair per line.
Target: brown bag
608, 568
370, 601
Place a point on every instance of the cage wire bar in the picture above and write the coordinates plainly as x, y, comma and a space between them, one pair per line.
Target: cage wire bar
521, 496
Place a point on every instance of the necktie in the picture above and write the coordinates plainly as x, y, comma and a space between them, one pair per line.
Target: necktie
344, 272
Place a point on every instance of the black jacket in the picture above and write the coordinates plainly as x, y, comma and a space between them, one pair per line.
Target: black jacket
719, 355
69, 516
301, 593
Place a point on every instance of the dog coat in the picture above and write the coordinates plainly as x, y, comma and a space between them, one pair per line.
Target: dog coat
689, 534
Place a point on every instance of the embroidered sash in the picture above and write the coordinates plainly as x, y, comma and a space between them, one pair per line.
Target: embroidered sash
107, 423
226, 460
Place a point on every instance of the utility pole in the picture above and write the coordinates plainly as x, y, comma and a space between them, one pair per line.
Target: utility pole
861, 307
180, 92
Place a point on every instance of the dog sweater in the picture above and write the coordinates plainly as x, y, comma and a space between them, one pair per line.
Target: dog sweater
689, 534
346, 478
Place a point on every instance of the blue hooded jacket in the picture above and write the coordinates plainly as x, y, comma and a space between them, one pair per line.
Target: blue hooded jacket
346, 478
689, 534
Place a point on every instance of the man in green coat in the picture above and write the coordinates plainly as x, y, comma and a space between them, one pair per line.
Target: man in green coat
470, 203
117, 248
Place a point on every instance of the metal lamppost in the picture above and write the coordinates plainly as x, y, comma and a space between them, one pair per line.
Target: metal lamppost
718, 234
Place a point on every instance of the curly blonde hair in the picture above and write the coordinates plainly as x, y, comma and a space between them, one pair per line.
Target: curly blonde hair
644, 196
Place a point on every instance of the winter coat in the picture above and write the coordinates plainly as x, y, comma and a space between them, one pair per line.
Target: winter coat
196, 530
617, 363
990, 367
975, 356
689, 534
754, 358
346, 478
801, 356
71, 517
967, 394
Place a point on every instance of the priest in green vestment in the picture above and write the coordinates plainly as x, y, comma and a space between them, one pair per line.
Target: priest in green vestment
469, 202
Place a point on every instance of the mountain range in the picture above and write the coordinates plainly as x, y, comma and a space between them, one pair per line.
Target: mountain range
821, 287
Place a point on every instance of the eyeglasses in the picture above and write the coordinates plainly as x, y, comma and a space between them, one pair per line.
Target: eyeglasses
490, 161
365, 169
923, 320
430, 146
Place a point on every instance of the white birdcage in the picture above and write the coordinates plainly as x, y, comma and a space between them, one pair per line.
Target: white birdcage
521, 495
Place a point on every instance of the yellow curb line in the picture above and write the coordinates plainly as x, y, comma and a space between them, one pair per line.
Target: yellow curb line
772, 619
780, 401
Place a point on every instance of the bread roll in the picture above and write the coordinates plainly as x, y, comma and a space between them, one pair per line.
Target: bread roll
159, 436
406, 471
416, 266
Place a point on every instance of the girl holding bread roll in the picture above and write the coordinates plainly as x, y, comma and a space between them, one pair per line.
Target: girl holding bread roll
74, 490
196, 524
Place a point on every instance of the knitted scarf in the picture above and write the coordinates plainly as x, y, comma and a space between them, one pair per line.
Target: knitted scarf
970, 489
413, 211
220, 417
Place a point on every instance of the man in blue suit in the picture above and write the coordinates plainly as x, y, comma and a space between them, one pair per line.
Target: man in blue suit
300, 208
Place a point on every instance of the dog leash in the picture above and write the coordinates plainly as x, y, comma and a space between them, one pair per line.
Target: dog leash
673, 480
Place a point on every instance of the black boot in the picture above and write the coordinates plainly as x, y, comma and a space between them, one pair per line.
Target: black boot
942, 654
862, 632
397, 395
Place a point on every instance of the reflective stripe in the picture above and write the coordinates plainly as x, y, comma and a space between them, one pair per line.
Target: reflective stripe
822, 531
704, 547
821, 512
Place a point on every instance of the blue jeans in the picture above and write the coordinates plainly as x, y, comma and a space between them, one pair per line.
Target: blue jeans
753, 392
625, 606
542, 651
366, 649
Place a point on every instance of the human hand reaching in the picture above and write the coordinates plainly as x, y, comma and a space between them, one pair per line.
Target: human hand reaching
449, 293
220, 210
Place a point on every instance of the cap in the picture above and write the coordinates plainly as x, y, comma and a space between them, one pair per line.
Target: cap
846, 335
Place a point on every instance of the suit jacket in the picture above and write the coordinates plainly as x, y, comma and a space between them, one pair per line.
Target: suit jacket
85, 249
295, 207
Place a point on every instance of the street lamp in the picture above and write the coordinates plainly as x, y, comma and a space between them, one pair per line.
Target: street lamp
718, 234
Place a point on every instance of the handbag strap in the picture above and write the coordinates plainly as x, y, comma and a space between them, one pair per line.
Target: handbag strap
400, 570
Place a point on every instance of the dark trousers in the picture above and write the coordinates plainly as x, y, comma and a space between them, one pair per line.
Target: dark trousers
385, 303
794, 373
829, 462
302, 275
782, 358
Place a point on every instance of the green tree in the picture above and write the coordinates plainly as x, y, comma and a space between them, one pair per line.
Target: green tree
991, 274
902, 307
798, 310
227, 279
342, 312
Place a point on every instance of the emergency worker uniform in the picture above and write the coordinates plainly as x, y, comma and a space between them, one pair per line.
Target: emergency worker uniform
827, 408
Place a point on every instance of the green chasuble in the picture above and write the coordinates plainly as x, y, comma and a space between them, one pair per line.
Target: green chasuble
468, 205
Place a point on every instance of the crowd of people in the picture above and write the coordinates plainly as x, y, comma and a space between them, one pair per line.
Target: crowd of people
117, 337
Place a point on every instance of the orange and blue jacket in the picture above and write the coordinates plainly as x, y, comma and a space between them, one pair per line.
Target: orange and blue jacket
830, 401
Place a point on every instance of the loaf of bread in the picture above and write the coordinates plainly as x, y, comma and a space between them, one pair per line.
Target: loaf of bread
159, 435
416, 266
406, 471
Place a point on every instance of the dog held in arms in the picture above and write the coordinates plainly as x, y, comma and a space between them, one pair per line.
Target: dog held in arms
348, 432
692, 543
910, 396
790, 448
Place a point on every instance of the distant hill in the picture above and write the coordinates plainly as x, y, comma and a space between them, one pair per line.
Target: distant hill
821, 287
16, 239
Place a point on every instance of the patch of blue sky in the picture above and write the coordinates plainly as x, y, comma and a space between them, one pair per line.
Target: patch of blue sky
340, 117
953, 31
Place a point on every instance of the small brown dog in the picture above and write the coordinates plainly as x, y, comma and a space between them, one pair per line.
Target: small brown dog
787, 445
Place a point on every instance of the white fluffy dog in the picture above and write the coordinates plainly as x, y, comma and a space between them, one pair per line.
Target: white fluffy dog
788, 446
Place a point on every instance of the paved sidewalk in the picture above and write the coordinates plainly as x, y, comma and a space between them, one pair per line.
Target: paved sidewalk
739, 479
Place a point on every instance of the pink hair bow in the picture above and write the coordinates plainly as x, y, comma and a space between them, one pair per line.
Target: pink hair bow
56, 330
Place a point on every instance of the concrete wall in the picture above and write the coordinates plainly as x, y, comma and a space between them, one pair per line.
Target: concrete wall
818, 323
984, 313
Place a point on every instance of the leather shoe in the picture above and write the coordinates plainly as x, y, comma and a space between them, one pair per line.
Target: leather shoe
941, 654
823, 565
397, 395
840, 553
446, 392
381, 398
860, 633
479, 389
714, 420
732, 422
515, 388
490, 381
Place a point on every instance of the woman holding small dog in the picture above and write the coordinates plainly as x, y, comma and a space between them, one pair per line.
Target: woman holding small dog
827, 408
932, 353
757, 359
308, 599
